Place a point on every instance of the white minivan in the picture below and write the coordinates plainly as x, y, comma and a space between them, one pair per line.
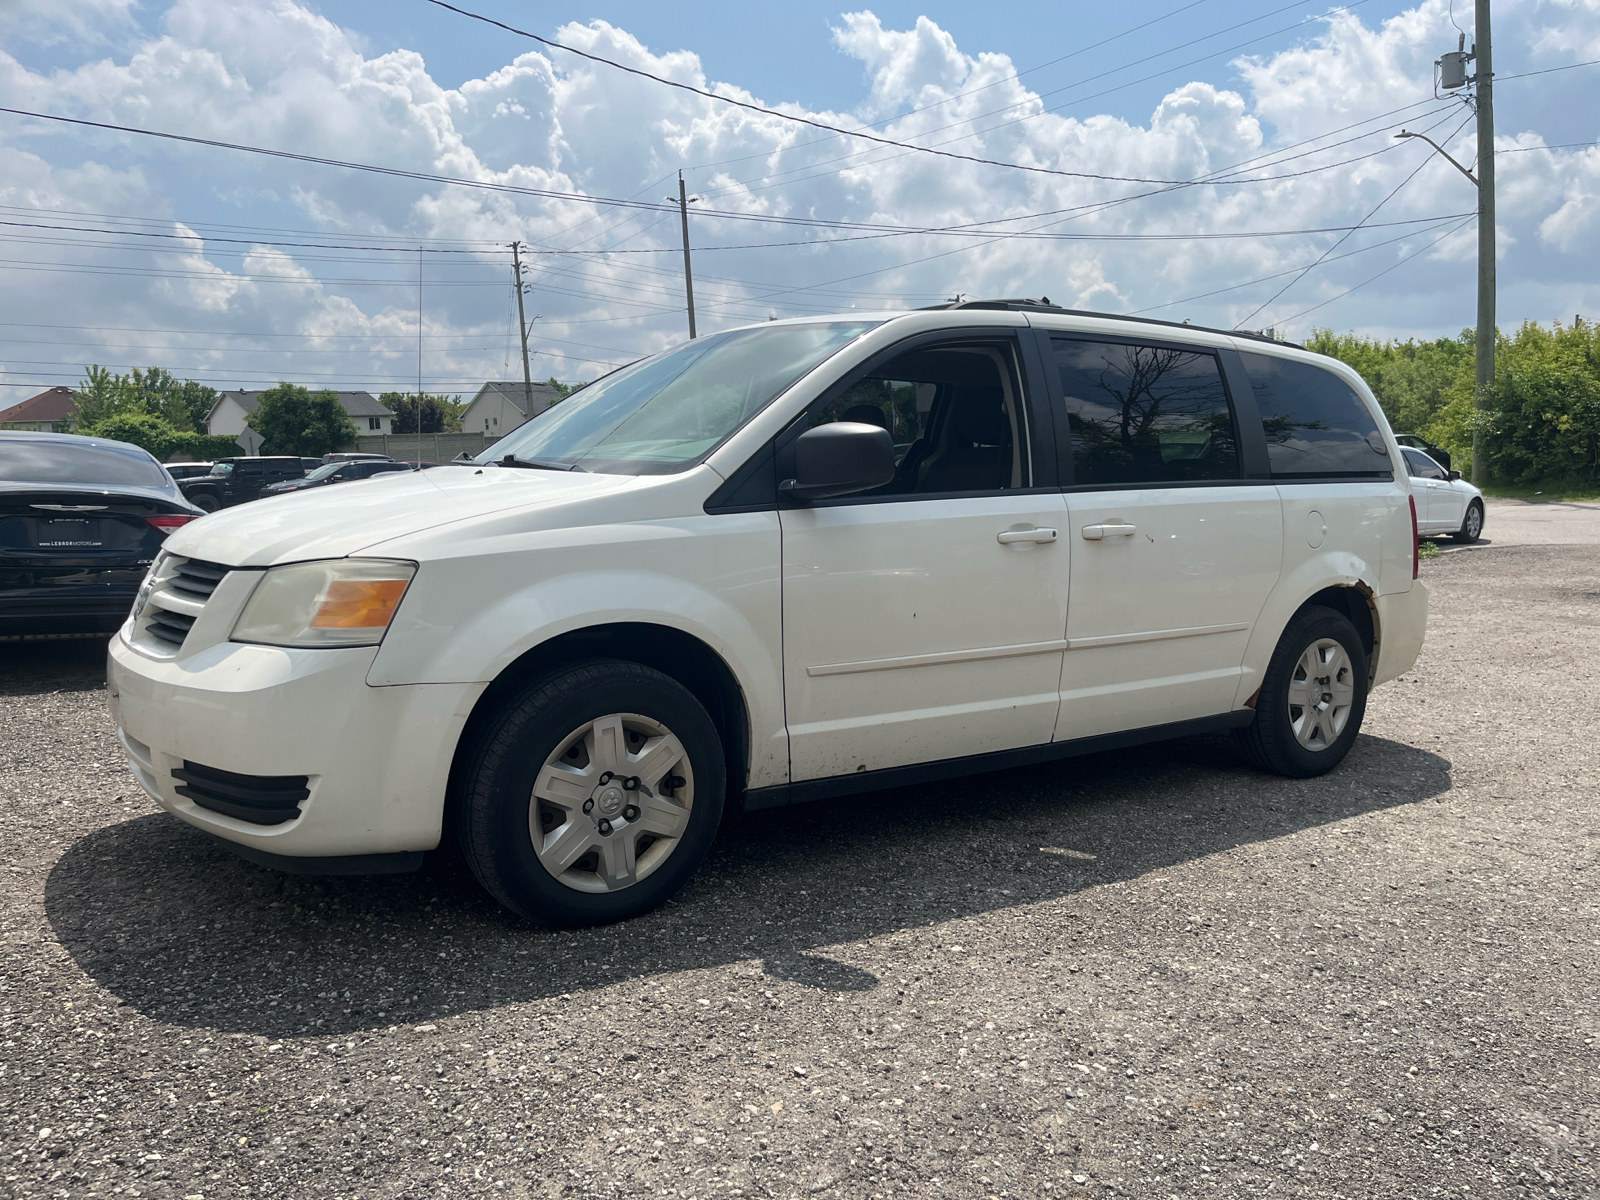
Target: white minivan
795, 560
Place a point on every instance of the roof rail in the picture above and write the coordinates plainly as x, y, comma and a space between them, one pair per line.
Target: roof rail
1043, 305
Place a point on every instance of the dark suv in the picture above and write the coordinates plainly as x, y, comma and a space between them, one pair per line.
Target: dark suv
238, 480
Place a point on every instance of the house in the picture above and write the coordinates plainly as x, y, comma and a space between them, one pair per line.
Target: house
231, 413
500, 406
50, 411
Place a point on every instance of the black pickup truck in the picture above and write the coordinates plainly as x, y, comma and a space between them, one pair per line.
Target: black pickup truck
238, 480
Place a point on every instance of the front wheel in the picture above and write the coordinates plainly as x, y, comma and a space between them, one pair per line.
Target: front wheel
1311, 702
204, 501
1472, 524
593, 796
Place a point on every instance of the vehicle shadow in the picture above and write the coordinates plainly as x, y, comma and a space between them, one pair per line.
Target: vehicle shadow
32, 667
181, 930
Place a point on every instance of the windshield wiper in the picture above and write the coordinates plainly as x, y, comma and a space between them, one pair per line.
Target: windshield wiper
534, 464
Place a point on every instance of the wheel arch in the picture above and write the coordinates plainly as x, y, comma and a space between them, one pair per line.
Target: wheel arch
1351, 595
1356, 601
675, 653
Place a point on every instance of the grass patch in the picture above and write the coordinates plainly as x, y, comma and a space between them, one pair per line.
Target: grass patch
1428, 550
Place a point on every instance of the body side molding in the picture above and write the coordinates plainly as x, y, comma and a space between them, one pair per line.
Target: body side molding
780, 795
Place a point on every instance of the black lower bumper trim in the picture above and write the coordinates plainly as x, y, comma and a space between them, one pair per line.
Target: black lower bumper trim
258, 799
399, 863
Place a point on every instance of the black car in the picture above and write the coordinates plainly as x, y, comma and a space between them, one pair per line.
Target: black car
188, 470
338, 472
81, 519
239, 480
1417, 442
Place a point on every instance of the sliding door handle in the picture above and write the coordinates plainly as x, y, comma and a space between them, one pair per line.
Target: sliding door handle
1095, 533
1025, 535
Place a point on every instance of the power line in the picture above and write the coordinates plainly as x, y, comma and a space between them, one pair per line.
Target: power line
1382, 273
971, 92
1234, 287
799, 120
1346, 237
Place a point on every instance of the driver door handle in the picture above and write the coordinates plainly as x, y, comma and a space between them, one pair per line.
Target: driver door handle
1095, 533
1025, 535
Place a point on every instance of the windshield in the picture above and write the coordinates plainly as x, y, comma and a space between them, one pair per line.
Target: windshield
24, 460
665, 413
325, 470
222, 469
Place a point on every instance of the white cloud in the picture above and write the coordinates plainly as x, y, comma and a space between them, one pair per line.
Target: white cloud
276, 74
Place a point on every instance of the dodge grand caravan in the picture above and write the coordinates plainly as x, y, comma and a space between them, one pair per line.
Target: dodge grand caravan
783, 562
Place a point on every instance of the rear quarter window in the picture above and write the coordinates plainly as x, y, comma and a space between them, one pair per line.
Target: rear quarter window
1317, 426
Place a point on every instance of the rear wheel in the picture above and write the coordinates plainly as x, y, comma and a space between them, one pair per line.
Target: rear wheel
593, 796
1311, 702
1471, 524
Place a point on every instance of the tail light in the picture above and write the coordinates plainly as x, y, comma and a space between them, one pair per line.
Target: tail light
1416, 546
167, 522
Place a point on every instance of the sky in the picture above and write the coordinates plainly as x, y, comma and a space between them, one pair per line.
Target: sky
1228, 163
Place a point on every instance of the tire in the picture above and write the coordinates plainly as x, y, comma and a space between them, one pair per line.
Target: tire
1471, 524
204, 501
1285, 738
557, 836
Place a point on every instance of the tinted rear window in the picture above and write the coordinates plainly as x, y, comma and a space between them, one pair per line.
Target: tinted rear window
1316, 424
48, 461
1145, 414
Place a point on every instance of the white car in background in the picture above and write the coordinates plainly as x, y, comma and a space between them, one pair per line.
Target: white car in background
797, 560
1446, 503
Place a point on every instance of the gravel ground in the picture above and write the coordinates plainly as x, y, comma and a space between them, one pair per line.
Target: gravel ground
1148, 974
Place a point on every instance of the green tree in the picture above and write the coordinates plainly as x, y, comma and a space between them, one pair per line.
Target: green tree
1543, 422
435, 414
103, 393
294, 420
183, 404
562, 389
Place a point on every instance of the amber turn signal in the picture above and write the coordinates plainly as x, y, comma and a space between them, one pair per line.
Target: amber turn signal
358, 603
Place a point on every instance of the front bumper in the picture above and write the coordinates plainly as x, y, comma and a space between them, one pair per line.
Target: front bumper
376, 759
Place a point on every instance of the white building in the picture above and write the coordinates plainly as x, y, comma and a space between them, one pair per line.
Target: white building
500, 406
231, 413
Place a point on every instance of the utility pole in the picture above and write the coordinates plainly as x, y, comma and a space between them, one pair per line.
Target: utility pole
522, 329
1452, 74
688, 275
1483, 379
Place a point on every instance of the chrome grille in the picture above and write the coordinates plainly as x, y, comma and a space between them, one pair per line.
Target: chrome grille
178, 599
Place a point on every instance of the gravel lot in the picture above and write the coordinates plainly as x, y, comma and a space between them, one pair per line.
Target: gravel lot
1147, 973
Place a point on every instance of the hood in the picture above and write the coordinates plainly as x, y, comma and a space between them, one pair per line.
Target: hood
333, 522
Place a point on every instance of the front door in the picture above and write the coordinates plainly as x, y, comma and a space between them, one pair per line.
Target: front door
1431, 490
925, 621
1173, 553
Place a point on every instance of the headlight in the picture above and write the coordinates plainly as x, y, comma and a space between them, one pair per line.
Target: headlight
339, 602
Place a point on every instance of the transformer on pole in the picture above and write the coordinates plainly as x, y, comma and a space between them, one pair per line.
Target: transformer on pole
1450, 73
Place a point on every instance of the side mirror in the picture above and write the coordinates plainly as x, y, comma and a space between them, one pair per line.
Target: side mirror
840, 459
1453, 475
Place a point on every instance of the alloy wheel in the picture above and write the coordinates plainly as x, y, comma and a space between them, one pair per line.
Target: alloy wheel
1474, 521
611, 803
1321, 693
